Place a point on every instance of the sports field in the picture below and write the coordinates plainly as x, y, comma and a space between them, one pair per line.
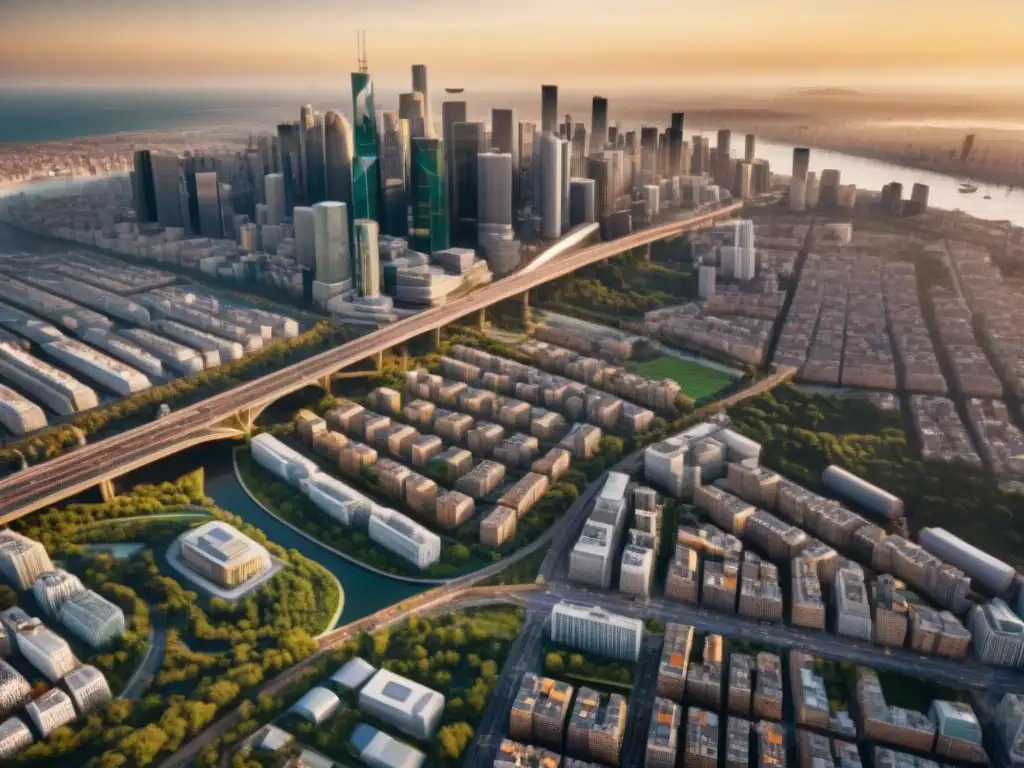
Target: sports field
697, 381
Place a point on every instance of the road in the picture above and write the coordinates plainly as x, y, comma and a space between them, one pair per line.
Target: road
147, 670
47, 483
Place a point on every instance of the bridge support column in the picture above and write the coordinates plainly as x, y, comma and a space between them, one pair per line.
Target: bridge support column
405, 357
435, 339
481, 319
324, 382
378, 361
107, 491
527, 314
647, 253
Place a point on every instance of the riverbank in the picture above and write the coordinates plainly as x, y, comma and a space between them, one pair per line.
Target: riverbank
355, 561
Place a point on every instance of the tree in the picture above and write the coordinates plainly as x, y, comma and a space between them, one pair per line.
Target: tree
554, 663
454, 739
576, 661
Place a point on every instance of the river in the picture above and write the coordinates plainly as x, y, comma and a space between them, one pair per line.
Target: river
365, 592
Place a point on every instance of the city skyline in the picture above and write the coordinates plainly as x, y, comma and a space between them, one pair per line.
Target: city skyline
118, 42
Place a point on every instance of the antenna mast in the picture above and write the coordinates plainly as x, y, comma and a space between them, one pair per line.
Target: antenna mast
361, 47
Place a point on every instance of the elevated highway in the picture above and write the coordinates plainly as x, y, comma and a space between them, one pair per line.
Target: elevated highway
232, 413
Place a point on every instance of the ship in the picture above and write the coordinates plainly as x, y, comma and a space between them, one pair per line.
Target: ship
966, 188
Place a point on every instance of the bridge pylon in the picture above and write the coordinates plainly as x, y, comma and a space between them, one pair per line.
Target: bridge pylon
107, 490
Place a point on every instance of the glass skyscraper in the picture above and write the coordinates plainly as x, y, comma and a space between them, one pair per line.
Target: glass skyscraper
365, 166
366, 258
429, 196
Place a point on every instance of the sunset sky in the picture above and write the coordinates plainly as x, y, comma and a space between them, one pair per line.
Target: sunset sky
512, 43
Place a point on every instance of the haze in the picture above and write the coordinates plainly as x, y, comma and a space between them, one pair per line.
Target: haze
575, 43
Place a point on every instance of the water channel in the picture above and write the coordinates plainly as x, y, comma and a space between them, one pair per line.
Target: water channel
365, 592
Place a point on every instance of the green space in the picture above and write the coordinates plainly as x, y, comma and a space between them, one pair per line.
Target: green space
524, 571
217, 653
913, 693
698, 381
459, 654
143, 407
803, 433
578, 668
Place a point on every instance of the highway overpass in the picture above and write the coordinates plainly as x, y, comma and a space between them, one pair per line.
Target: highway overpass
231, 414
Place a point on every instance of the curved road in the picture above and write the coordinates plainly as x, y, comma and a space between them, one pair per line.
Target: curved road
48, 483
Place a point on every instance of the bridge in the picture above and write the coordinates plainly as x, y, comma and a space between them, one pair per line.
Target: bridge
232, 414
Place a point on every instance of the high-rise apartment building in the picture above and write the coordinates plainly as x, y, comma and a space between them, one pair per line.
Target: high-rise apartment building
853, 611
741, 683
429, 197
549, 109
808, 607
366, 257
767, 700
597, 726
592, 558
636, 573
333, 264
597, 631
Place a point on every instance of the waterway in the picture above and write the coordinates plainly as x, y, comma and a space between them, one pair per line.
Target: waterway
365, 592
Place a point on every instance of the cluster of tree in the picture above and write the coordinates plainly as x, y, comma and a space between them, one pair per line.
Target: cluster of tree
216, 652
143, 406
576, 665
804, 433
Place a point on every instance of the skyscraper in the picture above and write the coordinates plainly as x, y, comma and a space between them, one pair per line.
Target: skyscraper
494, 188
274, 191
452, 112
166, 171
316, 180
565, 153
208, 204
598, 124
394, 158
419, 85
527, 139
578, 151
306, 121
290, 147
505, 141
723, 171
801, 162
331, 242
366, 258
750, 148
467, 144
550, 186
429, 196
549, 109
677, 120
648, 155
338, 153
365, 171
304, 221
143, 192
412, 108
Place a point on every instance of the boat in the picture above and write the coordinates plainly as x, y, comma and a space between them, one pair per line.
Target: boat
967, 188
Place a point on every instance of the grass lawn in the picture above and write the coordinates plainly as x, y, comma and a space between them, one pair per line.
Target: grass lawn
698, 381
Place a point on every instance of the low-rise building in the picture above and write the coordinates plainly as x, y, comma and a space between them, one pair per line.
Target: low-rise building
701, 739
767, 702
498, 527
410, 707
663, 734
675, 658
582, 440
554, 464
222, 554
683, 577
771, 745
512, 754
853, 612
998, 634
481, 480
53, 588
810, 701
959, 732
808, 608
539, 710
737, 742
14, 689
92, 618
88, 688
885, 723
404, 537
50, 711
596, 726
14, 737
453, 509
525, 493
317, 705
22, 560
741, 683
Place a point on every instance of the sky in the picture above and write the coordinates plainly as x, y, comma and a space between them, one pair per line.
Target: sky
512, 43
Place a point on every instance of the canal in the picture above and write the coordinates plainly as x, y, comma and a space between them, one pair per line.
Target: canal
365, 592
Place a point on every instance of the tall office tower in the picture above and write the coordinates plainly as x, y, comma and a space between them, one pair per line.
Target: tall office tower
801, 162
578, 151
613, 137
697, 167
550, 185
549, 109
504, 141
393, 162
365, 173
565, 153
452, 112
338, 157
316, 172
304, 222
648, 155
143, 193
597, 171
166, 171
750, 148
675, 164
467, 144
254, 174
527, 197
419, 85
494, 188
330, 220
677, 120
366, 258
582, 200
411, 108
428, 196
290, 143
598, 124
565, 130
307, 118
208, 204
723, 164
743, 184
275, 194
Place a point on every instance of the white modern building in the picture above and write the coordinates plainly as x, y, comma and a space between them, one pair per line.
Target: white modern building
53, 588
997, 634
336, 499
14, 689
408, 706
317, 705
22, 559
88, 688
366, 257
92, 618
353, 674
405, 537
50, 711
14, 737
276, 457
333, 263
18, 414
45, 650
222, 554
379, 750
591, 560
549, 188
595, 630
636, 573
